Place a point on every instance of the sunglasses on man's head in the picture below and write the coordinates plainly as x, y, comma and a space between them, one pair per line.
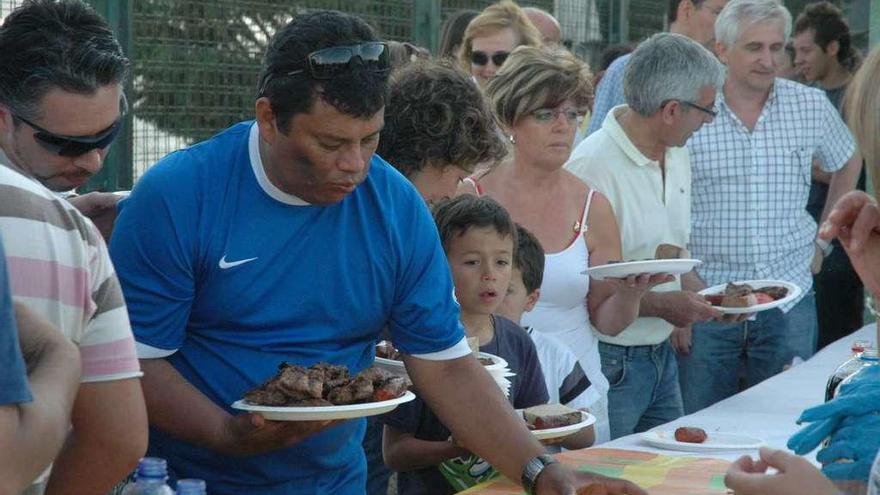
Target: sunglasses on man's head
481, 58
330, 63
72, 146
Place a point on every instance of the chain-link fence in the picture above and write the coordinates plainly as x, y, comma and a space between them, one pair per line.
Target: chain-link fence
196, 62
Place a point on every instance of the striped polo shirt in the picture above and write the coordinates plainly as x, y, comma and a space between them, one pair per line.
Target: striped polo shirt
59, 267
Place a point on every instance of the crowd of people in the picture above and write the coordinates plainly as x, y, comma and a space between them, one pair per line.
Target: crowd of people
382, 193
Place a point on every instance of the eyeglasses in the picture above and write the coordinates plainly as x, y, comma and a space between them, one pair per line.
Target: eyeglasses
549, 115
481, 58
710, 111
72, 146
330, 63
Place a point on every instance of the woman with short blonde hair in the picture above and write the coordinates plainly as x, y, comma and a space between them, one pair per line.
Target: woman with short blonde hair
537, 97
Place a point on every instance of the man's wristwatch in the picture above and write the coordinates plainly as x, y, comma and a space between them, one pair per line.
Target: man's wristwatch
533, 469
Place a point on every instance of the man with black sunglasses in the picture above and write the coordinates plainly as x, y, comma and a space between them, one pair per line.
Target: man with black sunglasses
60, 107
287, 239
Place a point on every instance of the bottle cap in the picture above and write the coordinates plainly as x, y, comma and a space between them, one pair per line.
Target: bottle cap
152, 467
861, 345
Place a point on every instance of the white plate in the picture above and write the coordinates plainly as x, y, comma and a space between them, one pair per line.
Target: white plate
665, 439
793, 292
563, 431
623, 270
323, 413
397, 367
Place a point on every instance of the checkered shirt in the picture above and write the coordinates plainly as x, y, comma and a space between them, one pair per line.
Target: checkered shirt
750, 189
609, 94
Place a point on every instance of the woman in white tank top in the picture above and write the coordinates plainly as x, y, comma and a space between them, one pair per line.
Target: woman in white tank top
537, 96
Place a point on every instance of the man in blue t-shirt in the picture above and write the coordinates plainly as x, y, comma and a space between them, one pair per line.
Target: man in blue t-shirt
286, 239
35, 406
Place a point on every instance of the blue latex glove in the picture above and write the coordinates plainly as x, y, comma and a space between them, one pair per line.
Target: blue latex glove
852, 422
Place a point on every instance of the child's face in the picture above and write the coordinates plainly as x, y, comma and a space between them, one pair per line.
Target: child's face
518, 300
481, 261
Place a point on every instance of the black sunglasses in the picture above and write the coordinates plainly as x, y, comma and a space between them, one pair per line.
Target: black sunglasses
330, 63
72, 146
481, 58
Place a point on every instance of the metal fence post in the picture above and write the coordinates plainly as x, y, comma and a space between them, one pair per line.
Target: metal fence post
117, 171
426, 23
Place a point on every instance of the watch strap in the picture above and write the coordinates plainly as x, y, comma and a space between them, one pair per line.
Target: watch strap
533, 469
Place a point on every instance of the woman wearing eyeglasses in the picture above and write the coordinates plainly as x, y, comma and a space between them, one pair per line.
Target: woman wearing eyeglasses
492, 35
537, 97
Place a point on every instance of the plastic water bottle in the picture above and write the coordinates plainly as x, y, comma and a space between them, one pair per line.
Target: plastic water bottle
868, 359
191, 487
846, 369
150, 478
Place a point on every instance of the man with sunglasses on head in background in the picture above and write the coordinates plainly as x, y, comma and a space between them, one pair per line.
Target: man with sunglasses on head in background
60, 107
287, 239
638, 160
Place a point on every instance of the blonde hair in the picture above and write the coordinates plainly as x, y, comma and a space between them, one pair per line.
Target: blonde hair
538, 77
494, 18
862, 103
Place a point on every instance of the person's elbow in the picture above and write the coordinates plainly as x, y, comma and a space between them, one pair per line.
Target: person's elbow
610, 326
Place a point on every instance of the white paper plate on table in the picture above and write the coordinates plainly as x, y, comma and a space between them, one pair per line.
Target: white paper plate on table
625, 269
324, 413
793, 292
587, 419
715, 442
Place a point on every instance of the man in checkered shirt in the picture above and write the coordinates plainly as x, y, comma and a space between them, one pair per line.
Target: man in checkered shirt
751, 179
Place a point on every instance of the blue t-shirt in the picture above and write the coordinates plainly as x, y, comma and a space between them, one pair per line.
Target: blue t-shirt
236, 277
527, 389
14, 388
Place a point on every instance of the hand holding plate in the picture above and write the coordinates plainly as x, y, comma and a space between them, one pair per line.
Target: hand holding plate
251, 433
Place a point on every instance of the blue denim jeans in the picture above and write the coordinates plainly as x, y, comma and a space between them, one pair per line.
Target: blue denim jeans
644, 389
377, 472
710, 373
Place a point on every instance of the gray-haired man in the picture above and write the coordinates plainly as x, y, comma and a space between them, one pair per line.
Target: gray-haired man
638, 160
751, 180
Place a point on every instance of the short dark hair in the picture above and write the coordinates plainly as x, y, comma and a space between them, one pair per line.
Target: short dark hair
828, 24
672, 12
612, 53
437, 116
361, 93
452, 32
64, 44
455, 216
529, 259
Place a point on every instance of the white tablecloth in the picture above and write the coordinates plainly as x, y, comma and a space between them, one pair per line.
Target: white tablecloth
768, 410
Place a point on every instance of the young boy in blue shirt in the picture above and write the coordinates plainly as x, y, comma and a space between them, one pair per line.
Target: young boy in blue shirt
566, 381
479, 239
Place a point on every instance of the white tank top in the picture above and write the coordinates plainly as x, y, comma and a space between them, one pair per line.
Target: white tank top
562, 309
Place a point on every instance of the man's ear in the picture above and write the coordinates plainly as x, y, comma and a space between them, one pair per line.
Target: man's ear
5, 119
532, 299
684, 10
265, 119
721, 52
833, 48
668, 111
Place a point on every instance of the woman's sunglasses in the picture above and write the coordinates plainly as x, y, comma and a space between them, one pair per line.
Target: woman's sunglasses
330, 63
72, 146
481, 58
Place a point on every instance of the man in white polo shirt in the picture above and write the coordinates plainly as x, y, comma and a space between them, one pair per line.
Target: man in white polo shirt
638, 161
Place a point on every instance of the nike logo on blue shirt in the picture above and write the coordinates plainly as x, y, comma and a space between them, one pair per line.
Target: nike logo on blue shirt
229, 264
